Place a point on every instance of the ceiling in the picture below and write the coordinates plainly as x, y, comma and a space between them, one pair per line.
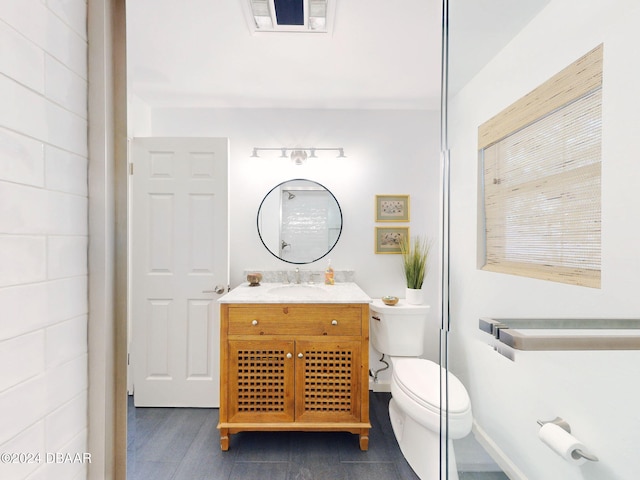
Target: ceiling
380, 55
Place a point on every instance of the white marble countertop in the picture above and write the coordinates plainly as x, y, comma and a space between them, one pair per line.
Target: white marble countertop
347, 292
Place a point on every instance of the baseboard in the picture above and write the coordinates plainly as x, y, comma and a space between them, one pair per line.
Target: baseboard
495, 452
477, 468
379, 386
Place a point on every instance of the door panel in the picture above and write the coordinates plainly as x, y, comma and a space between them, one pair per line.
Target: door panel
179, 253
198, 327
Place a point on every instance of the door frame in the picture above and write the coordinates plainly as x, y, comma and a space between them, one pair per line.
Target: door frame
107, 251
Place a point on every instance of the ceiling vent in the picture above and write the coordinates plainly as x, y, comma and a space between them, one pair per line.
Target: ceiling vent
303, 16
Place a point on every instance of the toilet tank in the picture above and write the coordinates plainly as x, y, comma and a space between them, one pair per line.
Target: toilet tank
398, 330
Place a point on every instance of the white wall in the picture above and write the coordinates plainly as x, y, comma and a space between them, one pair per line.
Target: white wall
388, 152
43, 234
598, 393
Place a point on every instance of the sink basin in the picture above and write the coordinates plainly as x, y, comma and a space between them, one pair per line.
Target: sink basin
298, 291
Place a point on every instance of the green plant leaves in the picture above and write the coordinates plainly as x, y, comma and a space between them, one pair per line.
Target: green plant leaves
414, 260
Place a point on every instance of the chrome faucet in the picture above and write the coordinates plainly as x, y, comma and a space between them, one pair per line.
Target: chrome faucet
297, 275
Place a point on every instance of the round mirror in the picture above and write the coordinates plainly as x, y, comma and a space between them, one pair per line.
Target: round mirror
299, 221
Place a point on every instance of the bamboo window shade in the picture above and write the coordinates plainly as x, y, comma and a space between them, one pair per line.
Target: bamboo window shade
541, 163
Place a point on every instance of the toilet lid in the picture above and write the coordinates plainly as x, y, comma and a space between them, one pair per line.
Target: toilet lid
419, 379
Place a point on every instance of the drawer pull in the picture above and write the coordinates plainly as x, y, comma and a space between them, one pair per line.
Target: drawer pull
334, 322
254, 322
289, 355
300, 355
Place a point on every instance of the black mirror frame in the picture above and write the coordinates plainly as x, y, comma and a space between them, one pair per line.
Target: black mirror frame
296, 180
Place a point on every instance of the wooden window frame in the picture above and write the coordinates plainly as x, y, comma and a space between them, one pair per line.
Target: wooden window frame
569, 89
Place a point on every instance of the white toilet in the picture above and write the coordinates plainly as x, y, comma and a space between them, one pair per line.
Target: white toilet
414, 409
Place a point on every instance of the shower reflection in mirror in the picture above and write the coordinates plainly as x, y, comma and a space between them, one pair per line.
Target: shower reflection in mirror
299, 221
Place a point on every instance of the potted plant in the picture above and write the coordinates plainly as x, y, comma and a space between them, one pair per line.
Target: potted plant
415, 255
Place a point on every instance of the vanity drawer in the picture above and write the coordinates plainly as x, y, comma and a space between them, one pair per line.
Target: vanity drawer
295, 319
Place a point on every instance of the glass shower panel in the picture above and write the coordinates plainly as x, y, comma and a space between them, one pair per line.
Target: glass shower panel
526, 375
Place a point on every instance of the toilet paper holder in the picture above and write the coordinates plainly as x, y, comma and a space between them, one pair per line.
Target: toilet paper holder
565, 426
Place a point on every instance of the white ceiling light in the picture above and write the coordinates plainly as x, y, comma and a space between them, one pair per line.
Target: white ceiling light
317, 14
311, 16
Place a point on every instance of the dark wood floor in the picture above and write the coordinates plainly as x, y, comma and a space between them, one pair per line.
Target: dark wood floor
183, 444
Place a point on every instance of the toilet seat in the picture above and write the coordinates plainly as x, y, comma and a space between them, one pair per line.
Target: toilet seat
415, 385
419, 379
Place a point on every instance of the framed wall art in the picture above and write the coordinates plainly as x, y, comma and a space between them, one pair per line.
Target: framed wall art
388, 238
392, 208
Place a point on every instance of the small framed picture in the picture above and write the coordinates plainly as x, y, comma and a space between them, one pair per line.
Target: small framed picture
392, 208
388, 239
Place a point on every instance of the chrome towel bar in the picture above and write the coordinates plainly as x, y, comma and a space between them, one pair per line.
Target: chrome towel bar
537, 334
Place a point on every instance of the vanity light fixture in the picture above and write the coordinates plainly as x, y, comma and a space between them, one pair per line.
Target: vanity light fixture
298, 155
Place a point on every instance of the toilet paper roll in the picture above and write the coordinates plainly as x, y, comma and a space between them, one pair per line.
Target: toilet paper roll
562, 442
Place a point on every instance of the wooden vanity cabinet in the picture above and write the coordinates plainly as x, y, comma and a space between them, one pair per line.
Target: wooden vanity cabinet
294, 367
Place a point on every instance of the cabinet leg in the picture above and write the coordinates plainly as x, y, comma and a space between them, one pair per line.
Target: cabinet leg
364, 441
224, 439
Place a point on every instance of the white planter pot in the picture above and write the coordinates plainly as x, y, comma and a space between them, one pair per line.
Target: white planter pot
414, 296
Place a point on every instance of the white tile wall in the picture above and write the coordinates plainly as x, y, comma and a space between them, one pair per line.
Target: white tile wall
31, 439
62, 85
65, 340
21, 407
63, 381
24, 310
59, 420
72, 12
21, 59
43, 234
27, 17
27, 308
65, 171
66, 298
24, 110
62, 256
28, 210
65, 44
71, 471
22, 258
21, 367
21, 159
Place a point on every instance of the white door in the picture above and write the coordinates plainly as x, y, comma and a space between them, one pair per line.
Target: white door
179, 254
